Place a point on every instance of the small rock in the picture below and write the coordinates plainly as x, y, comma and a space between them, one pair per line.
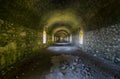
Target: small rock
63, 67
72, 67
32, 69
74, 63
60, 74
16, 77
23, 73
118, 59
95, 55
3, 72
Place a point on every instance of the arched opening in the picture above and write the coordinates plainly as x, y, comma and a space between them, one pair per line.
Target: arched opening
62, 36
81, 37
44, 36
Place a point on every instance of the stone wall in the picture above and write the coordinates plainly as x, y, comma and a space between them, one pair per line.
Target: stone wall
75, 39
17, 42
104, 43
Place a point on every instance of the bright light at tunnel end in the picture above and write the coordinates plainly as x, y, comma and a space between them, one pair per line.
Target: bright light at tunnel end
44, 37
81, 37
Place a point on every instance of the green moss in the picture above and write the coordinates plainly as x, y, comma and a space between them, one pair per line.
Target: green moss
17, 42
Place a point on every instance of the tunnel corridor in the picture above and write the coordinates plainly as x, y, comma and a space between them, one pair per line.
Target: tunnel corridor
59, 39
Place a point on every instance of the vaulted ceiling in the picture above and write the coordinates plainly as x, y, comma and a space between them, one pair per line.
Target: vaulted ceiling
37, 14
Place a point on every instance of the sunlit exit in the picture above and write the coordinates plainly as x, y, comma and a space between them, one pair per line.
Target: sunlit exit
44, 37
81, 37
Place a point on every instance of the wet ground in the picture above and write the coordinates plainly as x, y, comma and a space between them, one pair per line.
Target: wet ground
61, 62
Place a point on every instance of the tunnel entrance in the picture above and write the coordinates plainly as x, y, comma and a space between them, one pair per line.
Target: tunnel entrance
62, 36
28, 28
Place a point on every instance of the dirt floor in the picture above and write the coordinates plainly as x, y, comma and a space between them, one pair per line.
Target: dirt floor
61, 62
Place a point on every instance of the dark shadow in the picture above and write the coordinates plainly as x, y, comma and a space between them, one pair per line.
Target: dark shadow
36, 63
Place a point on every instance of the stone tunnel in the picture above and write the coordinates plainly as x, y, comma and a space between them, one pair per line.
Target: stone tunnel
59, 39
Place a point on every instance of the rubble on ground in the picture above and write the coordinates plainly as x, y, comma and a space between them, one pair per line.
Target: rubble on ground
72, 67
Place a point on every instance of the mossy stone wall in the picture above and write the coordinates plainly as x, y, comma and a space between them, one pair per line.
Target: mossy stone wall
17, 42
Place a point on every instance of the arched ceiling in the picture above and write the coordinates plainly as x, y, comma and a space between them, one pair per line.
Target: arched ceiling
62, 28
58, 33
37, 14
66, 18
